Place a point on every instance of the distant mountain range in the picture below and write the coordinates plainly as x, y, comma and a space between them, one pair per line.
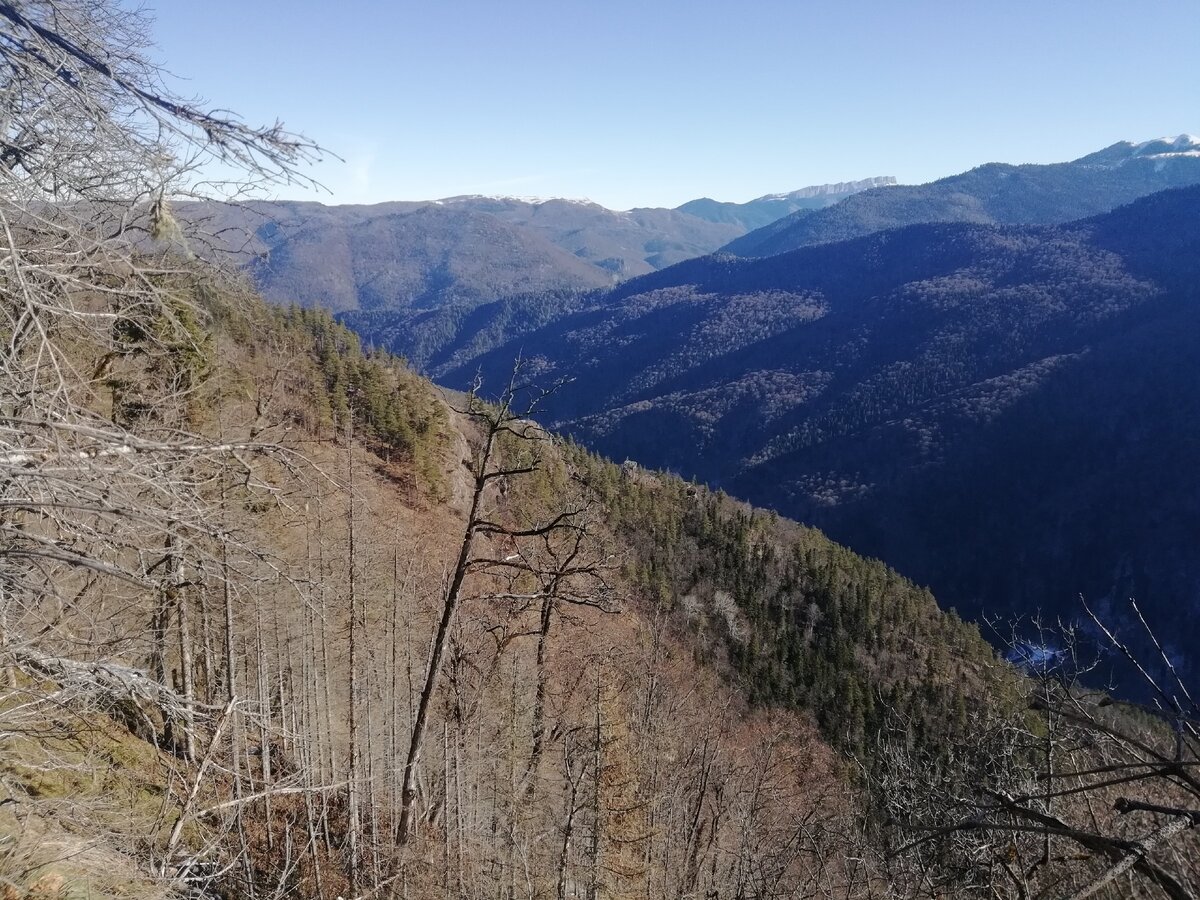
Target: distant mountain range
388, 256
993, 194
764, 210
460, 251
1010, 414
437, 335
441, 258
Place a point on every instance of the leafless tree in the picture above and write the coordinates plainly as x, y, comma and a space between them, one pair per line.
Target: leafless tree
544, 563
101, 344
1079, 795
109, 498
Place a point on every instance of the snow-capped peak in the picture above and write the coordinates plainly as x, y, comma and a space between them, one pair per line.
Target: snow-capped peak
1162, 150
506, 198
825, 190
1181, 145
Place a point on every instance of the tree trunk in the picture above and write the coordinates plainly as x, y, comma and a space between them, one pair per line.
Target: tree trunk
352, 772
185, 678
539, 698
408, 788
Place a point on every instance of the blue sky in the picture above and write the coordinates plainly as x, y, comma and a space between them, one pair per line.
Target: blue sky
654, 102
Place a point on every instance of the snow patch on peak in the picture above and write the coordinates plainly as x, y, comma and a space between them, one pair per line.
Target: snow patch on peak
1160, 149
825, 190
510, 198
1183, 143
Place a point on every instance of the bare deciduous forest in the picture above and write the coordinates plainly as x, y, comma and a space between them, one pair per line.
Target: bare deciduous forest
279, 618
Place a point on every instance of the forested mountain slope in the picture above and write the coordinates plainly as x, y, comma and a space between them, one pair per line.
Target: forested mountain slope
389, 256
292, 609
280, 619
460, 251
277, 620
645, 688
623, 243
995, 193
1003, 413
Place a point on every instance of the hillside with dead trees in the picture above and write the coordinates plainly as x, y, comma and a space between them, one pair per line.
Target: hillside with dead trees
281, 619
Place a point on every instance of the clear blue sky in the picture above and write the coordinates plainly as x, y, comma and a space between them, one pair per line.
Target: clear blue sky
654, 102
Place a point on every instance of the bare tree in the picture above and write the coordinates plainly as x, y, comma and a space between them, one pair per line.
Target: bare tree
108, 505
502, 561
101, 342
1079, 796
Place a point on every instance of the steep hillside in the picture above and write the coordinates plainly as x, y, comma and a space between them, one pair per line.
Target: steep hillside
1002, 413
993, 194
279, 619
611, 620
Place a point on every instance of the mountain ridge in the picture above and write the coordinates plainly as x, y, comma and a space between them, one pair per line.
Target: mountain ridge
467, 249
993, 193
765, 209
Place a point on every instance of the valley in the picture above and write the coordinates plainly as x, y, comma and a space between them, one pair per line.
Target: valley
979, 387
837, 543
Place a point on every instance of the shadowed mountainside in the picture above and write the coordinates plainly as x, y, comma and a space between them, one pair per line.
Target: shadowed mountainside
995, 193
1004, 413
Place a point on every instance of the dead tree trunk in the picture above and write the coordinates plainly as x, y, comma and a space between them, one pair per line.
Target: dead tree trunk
354, 761
556, 572
408, 785
539, 698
